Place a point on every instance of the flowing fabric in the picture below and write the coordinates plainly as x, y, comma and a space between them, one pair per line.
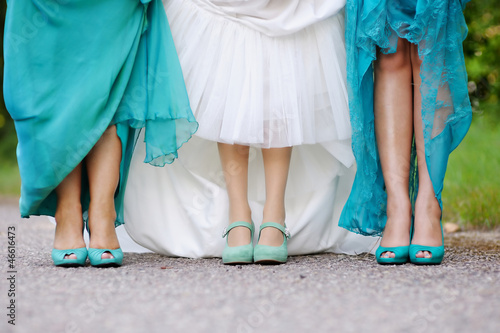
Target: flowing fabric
253, 89
271, 17
72, 69
261, 89
438, 28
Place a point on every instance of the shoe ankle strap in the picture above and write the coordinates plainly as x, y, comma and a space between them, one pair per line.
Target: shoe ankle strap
238, 224
278, 226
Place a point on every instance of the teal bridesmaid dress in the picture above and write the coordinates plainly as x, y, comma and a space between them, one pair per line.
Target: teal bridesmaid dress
72, 69
438, 28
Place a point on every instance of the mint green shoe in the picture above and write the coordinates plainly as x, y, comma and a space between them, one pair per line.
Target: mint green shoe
80, 253
436, 251
238, 254
266, 254
95, 257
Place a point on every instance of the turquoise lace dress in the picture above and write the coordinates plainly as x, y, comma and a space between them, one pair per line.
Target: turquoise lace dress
438, 28
73, 68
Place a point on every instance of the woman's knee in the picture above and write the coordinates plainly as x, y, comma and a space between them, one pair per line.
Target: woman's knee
400, 60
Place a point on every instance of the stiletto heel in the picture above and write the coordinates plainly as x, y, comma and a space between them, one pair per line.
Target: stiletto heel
437, 252
238, 254
266, 254
59, 261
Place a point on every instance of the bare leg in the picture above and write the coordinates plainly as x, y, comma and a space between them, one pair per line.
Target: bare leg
234, 159
276, 166
427, 211
393, 128
69, 228
103, 167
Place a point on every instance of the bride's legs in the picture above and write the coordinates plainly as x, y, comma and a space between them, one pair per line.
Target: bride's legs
394, 132
276, 166
103, 168
427, 211
69, 227
234, 159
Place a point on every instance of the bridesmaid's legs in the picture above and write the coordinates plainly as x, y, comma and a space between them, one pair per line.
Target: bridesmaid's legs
234, 159
276, 166
69, 227
394, 133
427, 210
103, 167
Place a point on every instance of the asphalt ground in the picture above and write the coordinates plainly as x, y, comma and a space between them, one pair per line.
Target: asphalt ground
314, 293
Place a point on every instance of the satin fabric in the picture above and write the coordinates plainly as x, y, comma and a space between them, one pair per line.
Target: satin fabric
272, 17
72, 69
438, 28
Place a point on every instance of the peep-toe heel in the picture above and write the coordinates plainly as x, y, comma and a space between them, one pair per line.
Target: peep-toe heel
96, 260
400, 255
60, 261
437, 252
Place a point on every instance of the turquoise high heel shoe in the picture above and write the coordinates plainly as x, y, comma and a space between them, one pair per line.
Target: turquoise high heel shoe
266, 254
80, 253
437, 252
95, 256
96, 260
401, 253
238, 254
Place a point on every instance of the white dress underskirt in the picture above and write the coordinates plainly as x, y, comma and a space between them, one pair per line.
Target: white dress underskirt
265, 90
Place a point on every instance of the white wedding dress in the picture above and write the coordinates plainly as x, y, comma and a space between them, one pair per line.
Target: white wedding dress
264, 73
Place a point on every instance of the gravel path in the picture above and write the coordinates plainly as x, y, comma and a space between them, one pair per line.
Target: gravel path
316, 293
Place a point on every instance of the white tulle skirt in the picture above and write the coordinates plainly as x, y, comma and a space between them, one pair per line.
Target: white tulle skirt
248, 87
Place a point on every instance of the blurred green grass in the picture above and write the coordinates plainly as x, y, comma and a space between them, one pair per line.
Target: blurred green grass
472, 183
10, 181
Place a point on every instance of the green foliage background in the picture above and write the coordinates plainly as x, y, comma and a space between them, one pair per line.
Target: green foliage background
7, 133
472, 185
482, 53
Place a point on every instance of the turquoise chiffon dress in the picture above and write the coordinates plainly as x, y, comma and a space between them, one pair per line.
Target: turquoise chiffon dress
438, 28
72, 69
